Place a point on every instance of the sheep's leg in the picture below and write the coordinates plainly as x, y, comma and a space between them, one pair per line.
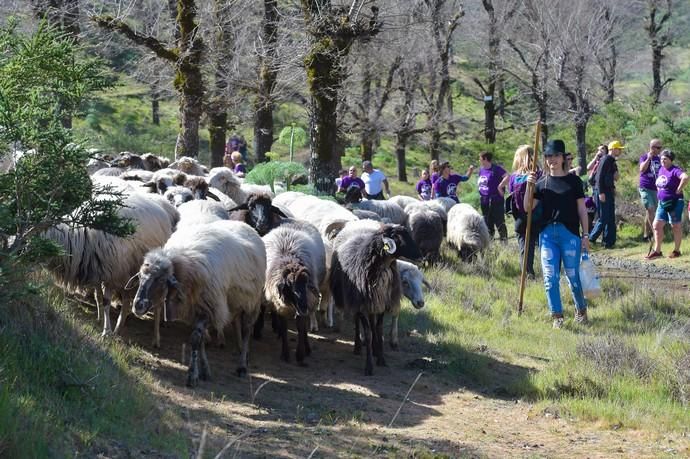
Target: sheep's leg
124, 312
205, 373
282, 334
394, 332
358, 337
237, 327
380, 360
247, 324
98, 296
220, 338
107, 297
259, 324
157, 326
329, 314
275, 324
366, 328
313, 322
302, 340
196, 341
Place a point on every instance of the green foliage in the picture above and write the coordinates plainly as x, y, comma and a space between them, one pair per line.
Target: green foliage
44, 80
298, 135
272, 171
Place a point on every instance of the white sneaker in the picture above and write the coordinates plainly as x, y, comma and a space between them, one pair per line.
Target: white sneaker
558, 322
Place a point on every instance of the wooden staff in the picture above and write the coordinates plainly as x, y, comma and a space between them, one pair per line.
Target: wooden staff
532, 163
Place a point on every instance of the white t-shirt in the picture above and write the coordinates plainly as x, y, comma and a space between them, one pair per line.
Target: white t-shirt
373, 183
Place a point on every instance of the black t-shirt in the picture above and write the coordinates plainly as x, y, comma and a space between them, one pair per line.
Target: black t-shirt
558, 197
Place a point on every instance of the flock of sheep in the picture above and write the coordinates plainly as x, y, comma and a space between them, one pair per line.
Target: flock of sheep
214, 252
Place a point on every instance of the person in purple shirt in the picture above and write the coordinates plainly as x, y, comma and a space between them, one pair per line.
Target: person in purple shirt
447, 184
650, 163
669, 183
424, 186
491, 191
434, 170
351, 180
239, 169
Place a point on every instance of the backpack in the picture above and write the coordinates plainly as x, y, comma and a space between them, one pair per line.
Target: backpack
592, 179
518, 185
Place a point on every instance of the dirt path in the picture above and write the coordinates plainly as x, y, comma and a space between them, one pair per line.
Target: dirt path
331, 407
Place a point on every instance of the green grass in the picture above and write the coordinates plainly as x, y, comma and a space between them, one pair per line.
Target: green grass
625, 368
62, 391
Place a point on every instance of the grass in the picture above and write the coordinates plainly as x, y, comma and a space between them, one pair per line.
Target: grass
625, 368
63, 391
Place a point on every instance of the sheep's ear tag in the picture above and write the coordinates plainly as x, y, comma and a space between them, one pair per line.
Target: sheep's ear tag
389, 245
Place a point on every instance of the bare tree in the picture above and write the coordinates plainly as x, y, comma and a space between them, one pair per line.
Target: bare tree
497, 22
658, 14
437, 92
607, 55
333, 30
267, 79
185, 57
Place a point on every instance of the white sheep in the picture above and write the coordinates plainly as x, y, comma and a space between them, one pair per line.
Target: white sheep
295, 278
393, 212
189, 165
403, 201
412, 280
97, 260
467, 231
319, 212
200, 212
206, 275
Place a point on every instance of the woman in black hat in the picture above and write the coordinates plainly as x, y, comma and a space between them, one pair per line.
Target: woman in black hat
563, 214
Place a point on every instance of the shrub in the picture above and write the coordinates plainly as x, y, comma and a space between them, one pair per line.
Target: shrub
272, 171
610, 355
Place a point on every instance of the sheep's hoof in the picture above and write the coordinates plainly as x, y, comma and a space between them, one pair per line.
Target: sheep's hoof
394, 346
156, 344
241, 371
107, 333
192, 379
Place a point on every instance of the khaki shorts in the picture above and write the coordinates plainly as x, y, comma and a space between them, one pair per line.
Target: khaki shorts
648, 198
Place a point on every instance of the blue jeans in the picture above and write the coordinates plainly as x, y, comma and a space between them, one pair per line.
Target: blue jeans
607, 219
558, 244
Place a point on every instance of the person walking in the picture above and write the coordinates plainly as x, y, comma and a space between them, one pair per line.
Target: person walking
434, 170
607, 174
447, 184
424, 186
491, 190
670, 183
374, 182
650, 163
563, 214
517, 187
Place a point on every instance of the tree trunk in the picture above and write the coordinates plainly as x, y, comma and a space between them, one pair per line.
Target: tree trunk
489, 118
581, 143
218, 123
155, 106
268, 75
435, 143
323, 81
400, 146
263, 130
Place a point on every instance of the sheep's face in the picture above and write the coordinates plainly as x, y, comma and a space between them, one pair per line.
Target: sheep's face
156, 279
260, 213
405, 246
185, 164
295, 289
199, 189
353, 194
412, 281
178, 196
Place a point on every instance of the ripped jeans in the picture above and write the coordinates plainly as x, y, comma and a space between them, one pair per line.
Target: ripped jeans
558, 244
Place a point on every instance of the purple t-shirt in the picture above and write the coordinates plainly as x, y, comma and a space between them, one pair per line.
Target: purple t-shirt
424, 189
489, 179
434, 176
349, 181
648, 178
448, 188
667, 183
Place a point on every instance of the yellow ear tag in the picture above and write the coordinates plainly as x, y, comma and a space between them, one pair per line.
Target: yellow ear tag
389, 245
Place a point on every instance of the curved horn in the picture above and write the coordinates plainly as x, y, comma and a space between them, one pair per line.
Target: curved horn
210, 194
426, 284
244, 206
276, 210
130, 283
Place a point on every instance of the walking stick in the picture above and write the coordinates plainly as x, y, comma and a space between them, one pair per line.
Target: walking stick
532, 162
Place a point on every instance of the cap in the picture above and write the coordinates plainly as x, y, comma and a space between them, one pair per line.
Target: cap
554, 147
616, 145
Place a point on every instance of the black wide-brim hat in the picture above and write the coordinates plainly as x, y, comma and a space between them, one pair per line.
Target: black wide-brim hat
554, 147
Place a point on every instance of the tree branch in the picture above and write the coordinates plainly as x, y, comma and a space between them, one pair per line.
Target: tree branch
110, 23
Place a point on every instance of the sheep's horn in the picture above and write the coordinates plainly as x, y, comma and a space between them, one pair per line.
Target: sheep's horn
426, 284
278, 211
212, 196
240, 207
130, 283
